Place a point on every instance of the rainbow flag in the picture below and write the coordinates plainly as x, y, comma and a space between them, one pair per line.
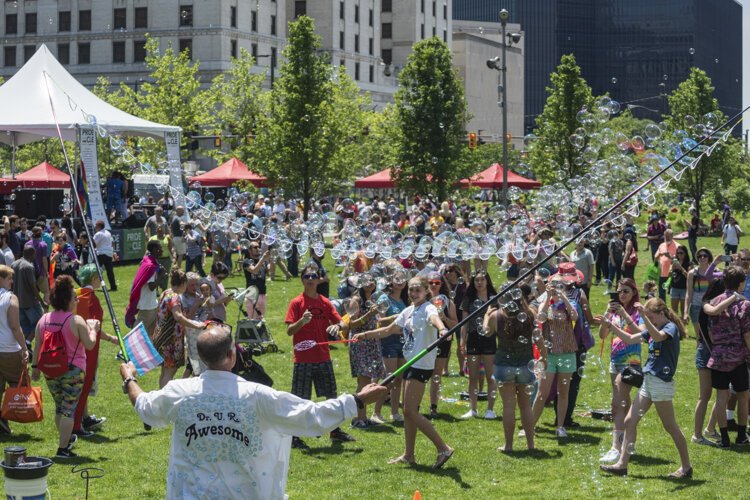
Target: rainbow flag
83, 192
140, 350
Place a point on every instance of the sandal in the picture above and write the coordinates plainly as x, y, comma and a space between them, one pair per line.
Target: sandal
402, 460
681, 474
443, 457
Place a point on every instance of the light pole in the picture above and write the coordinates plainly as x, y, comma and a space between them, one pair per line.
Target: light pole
503, 68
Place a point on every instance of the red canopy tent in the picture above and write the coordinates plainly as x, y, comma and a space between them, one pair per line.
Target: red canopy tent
7, 185
44, 176
380, 180
492, 178
227, 174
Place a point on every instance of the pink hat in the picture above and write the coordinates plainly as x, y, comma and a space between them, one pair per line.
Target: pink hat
568, 273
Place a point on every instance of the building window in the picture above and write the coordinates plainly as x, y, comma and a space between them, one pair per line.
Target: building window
445, 11
28, 52
186, 15
139, 51
370, 47
421, 31
120, 19
434, 31
233, 48
63, 21
254, 20
434, 8
273, 25
356, 71
254, 52
372, 73
386, 55
31, 22
341, 40
300, 8
84, 20
84, 53
10, 56
356, 43
421, 6
118, 52
371, 17
342, 64
387, 30
273, 57
356, 13
186, 44
233, 16
141, 17
341, 10
11, 24
63, 53
386, 6
445, 36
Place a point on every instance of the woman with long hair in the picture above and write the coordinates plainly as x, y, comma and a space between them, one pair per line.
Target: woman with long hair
622, 355
456, 282
702, 355
514, 326
664, 330
419, 324
698, 279
478, 347
14, 353
681, 266
447, 312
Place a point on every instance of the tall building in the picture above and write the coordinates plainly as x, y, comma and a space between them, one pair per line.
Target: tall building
107, 37
636, 50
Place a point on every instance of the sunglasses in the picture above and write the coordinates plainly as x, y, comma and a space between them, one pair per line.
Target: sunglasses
703, 256
435, 282
309, 276
624, 290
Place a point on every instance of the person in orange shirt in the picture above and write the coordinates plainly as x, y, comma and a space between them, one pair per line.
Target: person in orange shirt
88, 308
664, 254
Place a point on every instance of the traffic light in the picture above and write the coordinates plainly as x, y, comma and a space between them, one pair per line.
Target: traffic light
473, 140
217, 142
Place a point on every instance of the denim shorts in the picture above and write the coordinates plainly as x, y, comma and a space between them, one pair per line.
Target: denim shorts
561, 363
701, 356
694, 314
508, 374
391, 349
677, 293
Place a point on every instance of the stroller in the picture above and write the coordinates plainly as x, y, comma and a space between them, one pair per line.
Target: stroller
253, 332
249, 369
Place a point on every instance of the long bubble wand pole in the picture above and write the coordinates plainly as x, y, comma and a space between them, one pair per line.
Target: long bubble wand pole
570, 240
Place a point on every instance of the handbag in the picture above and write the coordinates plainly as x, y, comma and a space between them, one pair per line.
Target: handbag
23, 403
632, 259
632, 375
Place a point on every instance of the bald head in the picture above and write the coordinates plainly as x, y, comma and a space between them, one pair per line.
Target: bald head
215, 348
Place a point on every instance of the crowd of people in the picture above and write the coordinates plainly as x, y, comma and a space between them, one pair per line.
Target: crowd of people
527, 348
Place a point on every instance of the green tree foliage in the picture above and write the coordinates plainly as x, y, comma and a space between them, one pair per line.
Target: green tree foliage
694, 111
377, 149
554, 157
236, 100
431, 116
314, 120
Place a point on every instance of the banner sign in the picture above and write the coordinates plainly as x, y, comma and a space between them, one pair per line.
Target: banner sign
91, 168
172, 139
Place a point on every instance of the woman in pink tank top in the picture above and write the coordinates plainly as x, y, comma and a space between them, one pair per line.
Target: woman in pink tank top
79, 336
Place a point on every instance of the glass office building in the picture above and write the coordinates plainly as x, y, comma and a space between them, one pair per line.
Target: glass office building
636, 50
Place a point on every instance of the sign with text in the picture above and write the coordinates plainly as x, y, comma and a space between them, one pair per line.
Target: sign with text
90, 163
172, 140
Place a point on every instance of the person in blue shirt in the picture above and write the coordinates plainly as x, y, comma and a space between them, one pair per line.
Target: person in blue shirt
664, 330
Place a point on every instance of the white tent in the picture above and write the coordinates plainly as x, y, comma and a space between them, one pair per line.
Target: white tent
26, 114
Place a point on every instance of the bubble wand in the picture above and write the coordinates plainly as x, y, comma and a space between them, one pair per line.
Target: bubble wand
531, 270
306, 345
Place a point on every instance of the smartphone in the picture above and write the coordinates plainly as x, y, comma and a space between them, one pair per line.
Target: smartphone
614, 297
725, 258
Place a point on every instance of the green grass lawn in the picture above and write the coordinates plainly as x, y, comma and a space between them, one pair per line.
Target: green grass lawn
135, 461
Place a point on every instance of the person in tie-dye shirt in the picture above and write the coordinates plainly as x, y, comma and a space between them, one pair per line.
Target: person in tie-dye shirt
621, 355
697, 283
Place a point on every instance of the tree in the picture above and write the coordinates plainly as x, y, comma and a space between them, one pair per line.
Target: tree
378, 148
314, 118
555, 157
431, 118
695, 111
236, 100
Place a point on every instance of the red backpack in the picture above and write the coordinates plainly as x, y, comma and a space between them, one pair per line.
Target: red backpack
53, 355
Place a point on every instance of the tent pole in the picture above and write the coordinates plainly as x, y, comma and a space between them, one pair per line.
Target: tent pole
13, 157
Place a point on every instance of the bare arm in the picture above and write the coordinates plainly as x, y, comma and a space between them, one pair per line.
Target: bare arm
186, 322
716, 310
14, 322
379, 333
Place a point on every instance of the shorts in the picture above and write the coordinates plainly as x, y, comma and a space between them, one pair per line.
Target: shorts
677, 293
694, 314
66, 391
478, 345
737, 377
305, 375
180, 247
444, 349
702, 354
392, 347
561, 363
418, 374
656, 389
509, 374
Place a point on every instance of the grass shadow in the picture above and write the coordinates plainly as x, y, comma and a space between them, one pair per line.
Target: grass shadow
380, 429
444, 417
447, 471
332, 449
647, 460
536, 453
20, 438
680, 484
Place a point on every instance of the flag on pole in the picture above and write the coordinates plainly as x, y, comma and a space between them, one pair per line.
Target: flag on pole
140, 350
83, 192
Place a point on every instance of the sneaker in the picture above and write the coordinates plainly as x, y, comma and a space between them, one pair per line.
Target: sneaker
72, 442
359, 424
84, 433
722, 444
377, 420
371, 423
397, 417
561, 432
146, 427
92, 422
711, 434
341, 436
4, 427
65, 453
299, 444
522, 433
469, 415
744, 442
490, 415
612, 456
702, 440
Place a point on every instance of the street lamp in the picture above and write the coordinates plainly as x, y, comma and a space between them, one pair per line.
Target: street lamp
273, 64
500, 65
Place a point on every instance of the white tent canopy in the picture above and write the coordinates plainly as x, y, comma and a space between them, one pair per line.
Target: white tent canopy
26, 114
